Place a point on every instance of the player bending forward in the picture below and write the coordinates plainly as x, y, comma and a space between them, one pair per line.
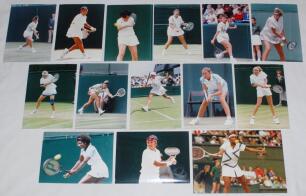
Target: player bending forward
157, 90
230, 152
46, 81
99, 94
151, 162
28, 34
89, 155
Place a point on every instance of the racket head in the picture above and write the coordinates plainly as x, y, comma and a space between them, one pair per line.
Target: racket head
172, 151
291, 45
197, 153
189, 26
277, 88
134, 16
56, 77
51, 167
120, 92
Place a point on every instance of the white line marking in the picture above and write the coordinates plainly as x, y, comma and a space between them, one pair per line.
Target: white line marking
164, 115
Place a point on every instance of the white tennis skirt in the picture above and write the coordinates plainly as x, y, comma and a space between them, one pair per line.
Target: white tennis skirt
175, 33
131, 40
100, 171
73, 32
28, 34
228, 171
223, 37
261, 92
256, 41
161, 91
49, 92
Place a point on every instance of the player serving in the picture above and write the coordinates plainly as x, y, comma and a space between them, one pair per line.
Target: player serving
259, 81
230, 152
89, 155
175, 30
214, 88
47, 82
151, 162
28, 34
76, 31
99, 95
157, 90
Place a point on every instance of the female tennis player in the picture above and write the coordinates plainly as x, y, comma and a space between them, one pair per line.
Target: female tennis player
273, 34
222, 36
28, 34
151, 162
215, 87
230, 152
96, 93
175, 30
126, 36
259, 81
157, 90
256, 41
89, 155
46, 82
78, 25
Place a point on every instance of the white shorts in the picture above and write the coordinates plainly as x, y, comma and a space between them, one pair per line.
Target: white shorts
223, 37
228, 171
100, 171
49, 92
224, 91
261, 92
28, 34
159, 92
131, 40
72, 32
256, 41
175, 33
270, 38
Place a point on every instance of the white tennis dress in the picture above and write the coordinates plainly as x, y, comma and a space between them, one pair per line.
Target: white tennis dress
212, 84
127, 36
223, 35
95, 89
149, 172
29, 31
157, 87
230, 167
50, 89
98, 167
261, 79
176, 24
76, 26
267, 34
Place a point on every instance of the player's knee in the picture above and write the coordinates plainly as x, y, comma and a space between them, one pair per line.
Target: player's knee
51, 101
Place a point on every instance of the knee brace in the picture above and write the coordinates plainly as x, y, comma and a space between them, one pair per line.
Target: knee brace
51, 101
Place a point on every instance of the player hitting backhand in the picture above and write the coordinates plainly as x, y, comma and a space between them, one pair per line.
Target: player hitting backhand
28, 34
157, 90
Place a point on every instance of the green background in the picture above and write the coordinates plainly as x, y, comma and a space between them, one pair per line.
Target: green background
245, 93
143, 30
65, 84
291, 27
189, 13
130, 146
65, 144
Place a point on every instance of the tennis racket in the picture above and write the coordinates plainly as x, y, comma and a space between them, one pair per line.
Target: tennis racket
291, 45
148, 79
188, 26
52, 167
199, 153
172, 151
277, 89
86, 32
120, 92
55, 78
134, 16
218, 52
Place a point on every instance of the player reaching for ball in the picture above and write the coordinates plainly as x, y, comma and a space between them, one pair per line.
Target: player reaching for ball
75, 31
157, 90
89, 155
151, 162
259, 81
230, 152
46, 82
28, 34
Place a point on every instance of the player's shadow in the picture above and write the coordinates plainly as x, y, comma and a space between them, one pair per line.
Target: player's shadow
151, 109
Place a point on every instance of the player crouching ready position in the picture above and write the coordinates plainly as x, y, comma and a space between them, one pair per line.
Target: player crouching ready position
47, 82
151, 162
157, 90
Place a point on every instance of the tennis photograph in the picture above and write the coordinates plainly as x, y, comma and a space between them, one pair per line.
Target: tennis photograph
152, 157
155, 96
208, 96
30, 33
49, 99
238, 161
129, 33
261, 97
276, 32
226, 32
102, 96
177, 32
79, 32
79, 158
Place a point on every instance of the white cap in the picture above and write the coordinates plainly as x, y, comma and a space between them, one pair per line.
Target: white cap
153, 73
232, 135
45, 73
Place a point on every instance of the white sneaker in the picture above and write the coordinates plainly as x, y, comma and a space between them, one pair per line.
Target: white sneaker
80, 111
228, 121
52, 115
19, 47
252, 121
145, 108
172, 100
232, 59
188, 52
34, 111
219, 56
66, 51
84, 56
101, 112
33, 50
195, 121
164, 52
275, 120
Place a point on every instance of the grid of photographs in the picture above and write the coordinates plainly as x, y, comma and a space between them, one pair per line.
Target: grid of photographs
158, 93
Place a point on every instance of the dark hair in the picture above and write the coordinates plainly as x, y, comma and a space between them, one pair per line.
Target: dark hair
35, 18
84, 8
254, 18
84, 138
125, 13
222, 15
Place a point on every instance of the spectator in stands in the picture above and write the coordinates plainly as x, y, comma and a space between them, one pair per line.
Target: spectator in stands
204, 178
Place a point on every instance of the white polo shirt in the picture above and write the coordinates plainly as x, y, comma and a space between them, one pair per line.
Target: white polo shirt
231, 155
149, 172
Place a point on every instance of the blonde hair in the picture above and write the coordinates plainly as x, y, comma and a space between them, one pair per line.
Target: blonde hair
207, 69
257, 67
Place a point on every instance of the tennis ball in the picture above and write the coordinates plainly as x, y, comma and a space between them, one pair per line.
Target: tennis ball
57, 157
